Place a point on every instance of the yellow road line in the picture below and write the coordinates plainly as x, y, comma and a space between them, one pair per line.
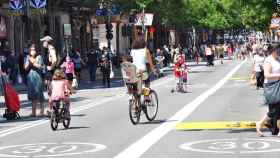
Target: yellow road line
240, 78
216, 125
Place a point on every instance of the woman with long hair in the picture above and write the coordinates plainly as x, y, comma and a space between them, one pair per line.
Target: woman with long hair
34, 65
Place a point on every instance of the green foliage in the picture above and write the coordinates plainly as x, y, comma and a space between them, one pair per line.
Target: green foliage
213, 14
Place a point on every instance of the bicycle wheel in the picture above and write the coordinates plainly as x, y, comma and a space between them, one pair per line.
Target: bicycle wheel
134, 110
66, 119
53, 121
151, 107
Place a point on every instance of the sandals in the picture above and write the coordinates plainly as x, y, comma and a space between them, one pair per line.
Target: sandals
258, 129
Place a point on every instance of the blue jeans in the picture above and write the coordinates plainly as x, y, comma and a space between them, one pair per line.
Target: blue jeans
92, 72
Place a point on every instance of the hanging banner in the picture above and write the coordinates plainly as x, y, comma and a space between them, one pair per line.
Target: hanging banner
16, 5
147, 20
38, 7
38, 4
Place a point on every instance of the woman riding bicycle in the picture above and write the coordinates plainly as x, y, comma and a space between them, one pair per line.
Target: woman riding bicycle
142, 59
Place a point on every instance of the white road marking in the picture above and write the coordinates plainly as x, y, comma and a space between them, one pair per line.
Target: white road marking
232, 146
211, 148
49, 149
142, 145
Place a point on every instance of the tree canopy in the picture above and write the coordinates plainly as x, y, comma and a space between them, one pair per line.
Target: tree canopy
213, 14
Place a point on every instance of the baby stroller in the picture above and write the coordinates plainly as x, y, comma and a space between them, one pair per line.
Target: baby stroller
12, 102
181, 77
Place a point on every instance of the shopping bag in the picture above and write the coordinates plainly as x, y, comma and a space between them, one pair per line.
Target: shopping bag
75, 83
112, 74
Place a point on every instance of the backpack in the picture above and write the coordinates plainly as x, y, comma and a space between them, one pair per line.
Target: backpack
77, 63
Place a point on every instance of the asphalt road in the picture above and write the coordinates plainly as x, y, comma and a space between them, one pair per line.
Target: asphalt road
101, 127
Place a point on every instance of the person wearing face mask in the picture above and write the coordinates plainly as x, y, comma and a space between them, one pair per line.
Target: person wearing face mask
271, 74
33, 66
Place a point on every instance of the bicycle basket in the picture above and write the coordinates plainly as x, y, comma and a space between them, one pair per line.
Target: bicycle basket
129, 73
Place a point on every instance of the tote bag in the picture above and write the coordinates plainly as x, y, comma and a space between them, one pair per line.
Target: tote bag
272, 92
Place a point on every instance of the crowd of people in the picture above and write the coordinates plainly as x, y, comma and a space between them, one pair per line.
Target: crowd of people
39, 67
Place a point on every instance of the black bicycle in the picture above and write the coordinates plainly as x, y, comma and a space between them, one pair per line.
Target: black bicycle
59, 113
147, 102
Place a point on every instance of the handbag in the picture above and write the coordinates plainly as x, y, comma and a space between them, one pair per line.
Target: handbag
253, 79
272, 92
111, 72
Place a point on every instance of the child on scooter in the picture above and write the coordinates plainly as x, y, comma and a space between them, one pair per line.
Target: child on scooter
60, 89
180, 74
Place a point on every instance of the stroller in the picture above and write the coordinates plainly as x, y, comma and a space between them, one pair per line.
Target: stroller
181, 72
12, 102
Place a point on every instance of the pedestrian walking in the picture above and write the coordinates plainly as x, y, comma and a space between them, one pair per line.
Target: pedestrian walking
209, 55
105, 65
258, 68
272, 74
69, 71
159, 62
78, 62
220, 51
167, 56
92, 64
34, 65
52, 57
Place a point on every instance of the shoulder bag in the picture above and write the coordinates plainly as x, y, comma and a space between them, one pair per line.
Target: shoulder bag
272, 92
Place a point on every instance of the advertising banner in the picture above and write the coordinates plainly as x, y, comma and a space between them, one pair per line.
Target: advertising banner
16, 5
147, 19
38, 4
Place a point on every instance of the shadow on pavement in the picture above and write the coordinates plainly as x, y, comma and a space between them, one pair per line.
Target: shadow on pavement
78, 115
156, 122
202, 71
77, 99
246, 130
70, 128
115, 83
25, 119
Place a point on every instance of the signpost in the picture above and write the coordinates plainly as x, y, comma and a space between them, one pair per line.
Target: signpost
67, 34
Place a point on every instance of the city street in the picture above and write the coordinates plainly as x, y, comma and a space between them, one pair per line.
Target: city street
100, 125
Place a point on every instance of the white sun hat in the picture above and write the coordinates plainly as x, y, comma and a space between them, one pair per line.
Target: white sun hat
46, 38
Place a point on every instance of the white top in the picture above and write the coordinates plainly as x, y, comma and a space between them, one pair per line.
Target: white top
139, 59
275, 64
258, 60
208, 51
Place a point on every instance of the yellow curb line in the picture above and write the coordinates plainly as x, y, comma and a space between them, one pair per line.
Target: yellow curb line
217, 125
